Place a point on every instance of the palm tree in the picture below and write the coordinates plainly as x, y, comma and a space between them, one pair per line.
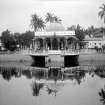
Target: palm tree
49, 17
56, 19
102, 12
37, 22
52, 18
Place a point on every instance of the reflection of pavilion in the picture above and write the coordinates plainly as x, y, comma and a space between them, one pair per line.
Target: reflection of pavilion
55, 40
54, 80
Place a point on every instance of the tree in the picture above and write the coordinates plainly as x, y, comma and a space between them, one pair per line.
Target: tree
8, 40
80, 34
78, 31
102, 12
49, 17
27, 38
24, 39
56, 19
52, 18
17, 37
90, 30
73, 27
37, 22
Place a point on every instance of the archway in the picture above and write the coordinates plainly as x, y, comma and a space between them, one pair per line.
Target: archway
55, 44
71, 42
39, 43
62, 43
48, 43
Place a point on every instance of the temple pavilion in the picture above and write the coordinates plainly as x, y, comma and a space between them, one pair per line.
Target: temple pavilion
54, 40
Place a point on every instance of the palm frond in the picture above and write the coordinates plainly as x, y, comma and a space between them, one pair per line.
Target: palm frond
37, 22
102, 12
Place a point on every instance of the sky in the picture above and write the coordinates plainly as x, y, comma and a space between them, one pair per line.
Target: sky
15, 15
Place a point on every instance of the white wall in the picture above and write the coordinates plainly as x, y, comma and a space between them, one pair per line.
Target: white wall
92, 44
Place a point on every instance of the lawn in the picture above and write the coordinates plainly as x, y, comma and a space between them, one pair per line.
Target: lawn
94, 57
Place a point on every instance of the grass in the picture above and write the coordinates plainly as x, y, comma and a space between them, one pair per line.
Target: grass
14, 58
94, 57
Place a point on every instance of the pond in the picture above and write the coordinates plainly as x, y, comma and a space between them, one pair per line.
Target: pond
27, 85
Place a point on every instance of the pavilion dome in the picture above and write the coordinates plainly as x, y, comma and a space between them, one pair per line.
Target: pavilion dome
54, 27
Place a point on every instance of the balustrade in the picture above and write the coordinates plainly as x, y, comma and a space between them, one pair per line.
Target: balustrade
62, 46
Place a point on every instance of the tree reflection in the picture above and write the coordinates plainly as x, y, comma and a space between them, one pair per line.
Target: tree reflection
27, 73
39, 74
79, 76
54, 74
53, 88
51, 91
36, 87
102, 95
8, 73
74, 75
100, 71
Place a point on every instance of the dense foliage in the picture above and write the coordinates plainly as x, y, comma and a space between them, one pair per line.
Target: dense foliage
15, 41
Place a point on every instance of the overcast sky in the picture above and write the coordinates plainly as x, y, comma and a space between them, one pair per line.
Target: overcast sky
15, 15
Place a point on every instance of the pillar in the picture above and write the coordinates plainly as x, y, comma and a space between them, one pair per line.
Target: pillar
43, 44
66, 44
77, 46
58, 43
51, 43
34, 44
62, 44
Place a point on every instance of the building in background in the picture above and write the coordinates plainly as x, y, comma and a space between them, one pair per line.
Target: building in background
97, 39
1, 46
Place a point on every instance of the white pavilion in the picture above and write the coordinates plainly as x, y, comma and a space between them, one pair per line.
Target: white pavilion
54, 40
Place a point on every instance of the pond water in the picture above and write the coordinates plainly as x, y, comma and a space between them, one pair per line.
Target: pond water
27, 85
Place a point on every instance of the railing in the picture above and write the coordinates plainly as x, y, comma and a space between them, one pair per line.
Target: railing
53, 52
38, 52
70, 52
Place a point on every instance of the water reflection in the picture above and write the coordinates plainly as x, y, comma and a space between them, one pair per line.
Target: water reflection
100, 71
38, 64
102, 95
43, 77
8, 73
36, 87
54, 74
53, 80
